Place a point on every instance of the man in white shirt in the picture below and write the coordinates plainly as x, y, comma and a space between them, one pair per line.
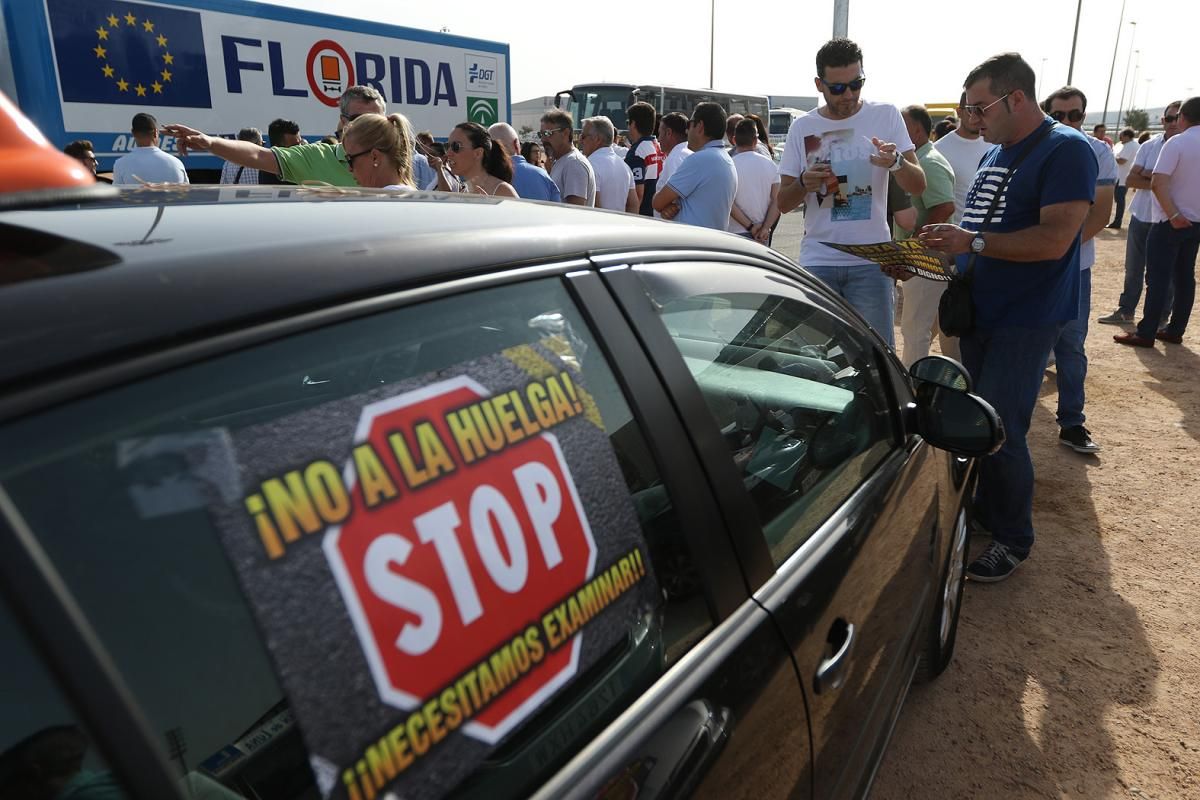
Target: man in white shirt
614, 180
1174, 238
672, 138
1125, 156
837, 161
1141, 215
147, 164
756, 201
963, 148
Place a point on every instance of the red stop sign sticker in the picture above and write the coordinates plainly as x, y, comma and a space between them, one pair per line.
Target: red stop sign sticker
449, 577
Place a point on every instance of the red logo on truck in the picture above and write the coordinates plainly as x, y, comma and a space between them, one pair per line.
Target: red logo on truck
447, 583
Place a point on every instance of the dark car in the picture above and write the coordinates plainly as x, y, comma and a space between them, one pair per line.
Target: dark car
308, 494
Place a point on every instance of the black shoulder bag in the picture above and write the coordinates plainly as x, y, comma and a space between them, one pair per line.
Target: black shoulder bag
956, 311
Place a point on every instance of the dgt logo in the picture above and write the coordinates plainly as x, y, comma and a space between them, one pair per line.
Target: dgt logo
481, 73
483, 110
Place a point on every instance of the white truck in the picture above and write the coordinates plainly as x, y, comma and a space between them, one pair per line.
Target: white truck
80, 69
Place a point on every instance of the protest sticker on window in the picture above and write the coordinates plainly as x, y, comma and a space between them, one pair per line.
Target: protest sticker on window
433, 561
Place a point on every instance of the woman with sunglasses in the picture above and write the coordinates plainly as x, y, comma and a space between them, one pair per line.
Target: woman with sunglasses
379, 151
482, 163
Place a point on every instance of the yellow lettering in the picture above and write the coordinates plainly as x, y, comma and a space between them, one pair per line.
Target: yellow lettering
434, 720
587, 600
374, 481
487, 684
267, 534
533, 641
536, 393
507, 417
327, 491
399, 744
577, 619
485, 421
552, 634
349, 781
418, 738
562, 406
379, 762
413, 475
470, 446
454, 714
433, 451
527, 425
503, 668
291, 506
626, 572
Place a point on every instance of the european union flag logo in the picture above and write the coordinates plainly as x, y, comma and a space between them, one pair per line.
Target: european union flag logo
129, 53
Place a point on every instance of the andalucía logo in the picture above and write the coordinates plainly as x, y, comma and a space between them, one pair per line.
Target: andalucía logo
483, 110
129, 53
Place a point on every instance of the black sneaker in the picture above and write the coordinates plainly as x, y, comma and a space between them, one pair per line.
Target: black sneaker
1078, 438
1117, 317
996, 564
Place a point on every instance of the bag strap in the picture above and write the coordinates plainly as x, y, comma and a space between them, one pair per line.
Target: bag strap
987, 218
238, 177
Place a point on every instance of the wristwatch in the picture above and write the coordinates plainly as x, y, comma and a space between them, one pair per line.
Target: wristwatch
898, 163
977, 243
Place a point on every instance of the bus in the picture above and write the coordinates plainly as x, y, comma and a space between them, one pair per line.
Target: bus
611, 99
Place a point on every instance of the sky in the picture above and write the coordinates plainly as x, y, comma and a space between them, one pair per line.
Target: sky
913, 53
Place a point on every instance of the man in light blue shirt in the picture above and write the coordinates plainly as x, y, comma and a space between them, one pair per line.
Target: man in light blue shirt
531, 183
701, 191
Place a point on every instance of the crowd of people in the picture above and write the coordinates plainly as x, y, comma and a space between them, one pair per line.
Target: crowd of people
1009, 188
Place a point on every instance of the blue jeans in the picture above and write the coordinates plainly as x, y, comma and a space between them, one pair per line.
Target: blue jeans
872, 294
1071, 359
1119, 198
1135, 267
1007, 366
1170, 259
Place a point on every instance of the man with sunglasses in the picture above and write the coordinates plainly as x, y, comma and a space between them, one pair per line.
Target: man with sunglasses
313, 161
1068, 106
1141, 215
1023, 226
837, 161
572, 172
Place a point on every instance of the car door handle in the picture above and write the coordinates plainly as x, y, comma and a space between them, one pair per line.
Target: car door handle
831, 673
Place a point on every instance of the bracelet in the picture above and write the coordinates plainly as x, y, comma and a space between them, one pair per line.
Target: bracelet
1173, 216
898, 164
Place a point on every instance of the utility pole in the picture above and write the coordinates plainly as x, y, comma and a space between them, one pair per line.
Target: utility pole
1113, 68
841, 18
1074, 40
712, 40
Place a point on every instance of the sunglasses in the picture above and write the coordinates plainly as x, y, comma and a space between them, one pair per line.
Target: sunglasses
549, 133
840, 88
458, 147
1074, 115
979, 111
351, 156
1170, 118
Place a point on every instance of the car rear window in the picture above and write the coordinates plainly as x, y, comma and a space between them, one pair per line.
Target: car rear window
424, 550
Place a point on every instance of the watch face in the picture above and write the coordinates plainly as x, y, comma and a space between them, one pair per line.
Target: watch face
977, 244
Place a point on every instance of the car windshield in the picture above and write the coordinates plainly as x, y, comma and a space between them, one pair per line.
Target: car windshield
601, 101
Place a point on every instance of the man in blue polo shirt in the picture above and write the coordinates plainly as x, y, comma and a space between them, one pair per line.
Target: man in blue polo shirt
701, 191
1026, 281
531, 182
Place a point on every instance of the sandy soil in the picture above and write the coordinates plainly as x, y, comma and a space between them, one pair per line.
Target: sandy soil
1080, 676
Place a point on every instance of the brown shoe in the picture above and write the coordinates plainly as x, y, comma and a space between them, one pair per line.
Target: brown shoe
1169, 337
1133, 340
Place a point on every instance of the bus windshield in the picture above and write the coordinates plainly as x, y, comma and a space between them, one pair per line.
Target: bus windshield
601, 101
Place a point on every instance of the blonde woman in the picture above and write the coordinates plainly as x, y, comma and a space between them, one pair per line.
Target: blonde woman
472, 155
379, 151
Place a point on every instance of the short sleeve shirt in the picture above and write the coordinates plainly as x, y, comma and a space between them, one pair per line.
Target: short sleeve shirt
939, 182
613, 179
1062, 168
853, 210
315, 161
964, 156
1180, 158
706, 183
1106, 175
532, 182
1128, 152
756, 174
644, 160
574, 176
1144, 203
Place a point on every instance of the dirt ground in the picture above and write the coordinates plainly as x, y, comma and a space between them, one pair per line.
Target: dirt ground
1080, 676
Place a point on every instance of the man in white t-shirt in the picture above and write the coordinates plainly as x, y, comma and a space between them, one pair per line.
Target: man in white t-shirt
1141, 215
147, 164
1125, 156
836, 161
572, 172
1174, 239
614, 180
673, 139
1068, 106
963, 148
756, 201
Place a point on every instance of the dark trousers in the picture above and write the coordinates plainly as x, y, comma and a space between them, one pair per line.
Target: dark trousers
1170, 258
1119, 197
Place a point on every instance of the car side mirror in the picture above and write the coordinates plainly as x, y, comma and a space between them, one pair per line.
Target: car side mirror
942, 371
956, 420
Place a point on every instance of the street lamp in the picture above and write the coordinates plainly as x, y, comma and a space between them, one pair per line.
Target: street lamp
1113, 67
1125, 80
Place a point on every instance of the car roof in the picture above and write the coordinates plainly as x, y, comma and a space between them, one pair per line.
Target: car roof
84, 283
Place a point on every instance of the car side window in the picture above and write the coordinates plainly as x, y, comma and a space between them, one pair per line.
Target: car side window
178, 511
796, 393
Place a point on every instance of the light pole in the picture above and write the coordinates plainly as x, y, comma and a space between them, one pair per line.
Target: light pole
712, 40
1125, 80
1113, 68
841, 18
1074, 39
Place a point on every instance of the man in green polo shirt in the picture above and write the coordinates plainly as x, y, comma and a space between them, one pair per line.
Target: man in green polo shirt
935, 204
303, 162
